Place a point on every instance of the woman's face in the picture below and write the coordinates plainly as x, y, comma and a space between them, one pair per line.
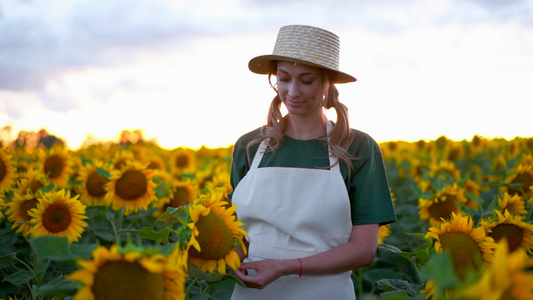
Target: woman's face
300, 88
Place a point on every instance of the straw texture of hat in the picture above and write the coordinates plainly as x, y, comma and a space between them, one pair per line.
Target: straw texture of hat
306, 45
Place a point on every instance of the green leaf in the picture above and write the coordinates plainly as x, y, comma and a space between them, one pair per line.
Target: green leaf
398, 284
85, 161
41, 268
161, 191
439, 268
52, 247
390, 248
8, 259
45, 189
19, 278
83, 251
180, 212
149, 233
474, 197
420, 236
58, 288
103, 172
105, 235
167, 249
423, 253
407, 255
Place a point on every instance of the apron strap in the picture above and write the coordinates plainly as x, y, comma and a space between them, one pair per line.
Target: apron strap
262, 149
259, 154
332, 159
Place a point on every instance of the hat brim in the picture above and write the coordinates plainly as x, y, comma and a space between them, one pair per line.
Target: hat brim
263, 65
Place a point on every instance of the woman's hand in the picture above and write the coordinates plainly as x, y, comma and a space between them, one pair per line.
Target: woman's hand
266, 271
358, 252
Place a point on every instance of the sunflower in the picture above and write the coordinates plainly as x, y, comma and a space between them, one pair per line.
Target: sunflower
506, 278
443, 205
91, 187
471, 187
444, 169
31, 181
455, 152
215, 234
156, 163
384, 231
183, 161
132, 275
518, 233
18, 210
2, 205
58, 214
121, 158
56, 166
182, 193
514, 204
477, 145
220, 178
131, 187
7, 171
430, 289
468, 247
522, 176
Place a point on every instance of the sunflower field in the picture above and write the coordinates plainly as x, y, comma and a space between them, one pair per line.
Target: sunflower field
134, 220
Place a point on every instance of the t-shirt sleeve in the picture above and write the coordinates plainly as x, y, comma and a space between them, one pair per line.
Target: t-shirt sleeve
369, 186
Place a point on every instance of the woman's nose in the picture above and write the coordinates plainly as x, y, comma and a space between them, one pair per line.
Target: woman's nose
294, 89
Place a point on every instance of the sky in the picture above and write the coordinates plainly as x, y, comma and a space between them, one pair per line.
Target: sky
178, 69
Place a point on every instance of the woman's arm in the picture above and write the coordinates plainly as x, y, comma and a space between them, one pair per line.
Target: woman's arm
358, 252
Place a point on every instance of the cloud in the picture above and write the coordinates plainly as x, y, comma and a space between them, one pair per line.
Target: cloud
68, 54
39, 40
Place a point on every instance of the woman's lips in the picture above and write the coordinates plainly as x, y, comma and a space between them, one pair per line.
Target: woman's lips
294, 103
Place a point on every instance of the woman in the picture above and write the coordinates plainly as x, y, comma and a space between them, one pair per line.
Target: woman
313, 193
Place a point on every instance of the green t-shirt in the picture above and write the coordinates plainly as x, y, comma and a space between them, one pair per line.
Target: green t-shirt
368, 186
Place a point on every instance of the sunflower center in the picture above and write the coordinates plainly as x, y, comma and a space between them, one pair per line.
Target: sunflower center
57, 218
26, 206
512, 233
464, 251
131, 185
182, 161
53, 166
454, 154
110, 283
119, 163
95, 185
181, 197
3, 170
35, 185
153, 165
526, 179
214, 237
443, 209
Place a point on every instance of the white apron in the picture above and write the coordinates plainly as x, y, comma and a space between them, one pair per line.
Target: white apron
294, 213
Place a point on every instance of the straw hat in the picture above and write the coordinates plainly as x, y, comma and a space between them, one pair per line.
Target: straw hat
306, 45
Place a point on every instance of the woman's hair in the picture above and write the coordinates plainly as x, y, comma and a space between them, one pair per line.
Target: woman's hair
340, 137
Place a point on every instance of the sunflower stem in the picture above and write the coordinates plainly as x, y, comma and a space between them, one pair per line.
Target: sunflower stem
115, 232
190, 287
359, 276
121, 216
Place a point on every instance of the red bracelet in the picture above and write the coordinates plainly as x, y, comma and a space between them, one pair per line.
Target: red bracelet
300, 266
